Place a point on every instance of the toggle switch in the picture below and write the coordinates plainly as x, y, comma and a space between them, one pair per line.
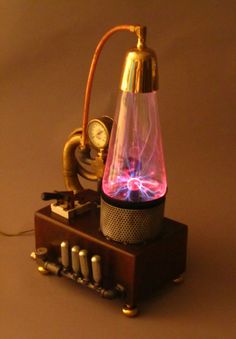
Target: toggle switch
75, 259
96, 269
65, 254
84, 266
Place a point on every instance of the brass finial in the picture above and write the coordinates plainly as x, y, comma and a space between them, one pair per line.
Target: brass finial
141, 32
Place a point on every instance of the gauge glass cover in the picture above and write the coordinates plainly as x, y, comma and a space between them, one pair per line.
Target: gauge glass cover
98, 134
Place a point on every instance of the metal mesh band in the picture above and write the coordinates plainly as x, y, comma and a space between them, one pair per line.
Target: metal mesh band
130, 225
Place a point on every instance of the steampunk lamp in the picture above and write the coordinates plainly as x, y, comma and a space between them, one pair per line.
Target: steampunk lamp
115, 240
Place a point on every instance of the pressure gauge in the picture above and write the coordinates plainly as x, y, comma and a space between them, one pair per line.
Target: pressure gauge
99, 132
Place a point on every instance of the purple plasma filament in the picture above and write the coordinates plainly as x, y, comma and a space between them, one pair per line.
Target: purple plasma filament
135, 168
133, 187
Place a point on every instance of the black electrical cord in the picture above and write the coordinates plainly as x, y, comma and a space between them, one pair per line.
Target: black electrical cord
5, 234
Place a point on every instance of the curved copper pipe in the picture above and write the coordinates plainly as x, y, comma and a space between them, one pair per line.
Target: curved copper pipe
139, 32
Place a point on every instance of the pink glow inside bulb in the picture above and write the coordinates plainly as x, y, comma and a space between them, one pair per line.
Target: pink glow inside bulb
135, 167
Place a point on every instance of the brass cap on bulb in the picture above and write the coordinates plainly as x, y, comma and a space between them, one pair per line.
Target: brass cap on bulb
140, 71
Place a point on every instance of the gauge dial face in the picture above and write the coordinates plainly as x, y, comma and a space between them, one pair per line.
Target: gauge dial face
98, 133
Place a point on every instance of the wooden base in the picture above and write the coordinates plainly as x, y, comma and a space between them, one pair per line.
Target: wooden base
140, 269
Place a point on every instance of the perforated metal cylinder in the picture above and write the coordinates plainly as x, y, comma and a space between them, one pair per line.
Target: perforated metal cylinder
131, 226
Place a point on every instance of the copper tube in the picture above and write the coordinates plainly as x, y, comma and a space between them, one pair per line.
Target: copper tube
139, 31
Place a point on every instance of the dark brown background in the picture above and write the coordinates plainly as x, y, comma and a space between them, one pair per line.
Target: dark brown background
45, 52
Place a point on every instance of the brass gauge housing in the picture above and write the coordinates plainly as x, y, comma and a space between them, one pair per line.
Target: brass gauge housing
99, 131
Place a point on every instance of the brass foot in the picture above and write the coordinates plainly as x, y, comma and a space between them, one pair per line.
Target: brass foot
178, 280
42, 270
129, 311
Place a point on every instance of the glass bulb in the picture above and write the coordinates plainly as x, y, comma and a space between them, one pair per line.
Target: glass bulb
135, 168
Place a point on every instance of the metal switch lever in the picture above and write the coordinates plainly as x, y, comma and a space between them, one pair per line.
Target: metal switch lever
84, 266
75, 259
96, 269
65, 254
